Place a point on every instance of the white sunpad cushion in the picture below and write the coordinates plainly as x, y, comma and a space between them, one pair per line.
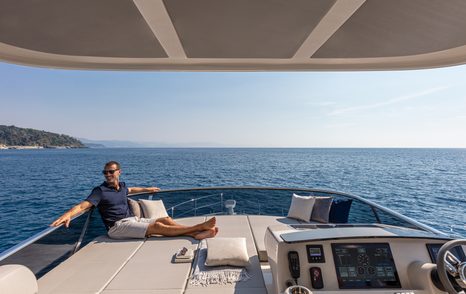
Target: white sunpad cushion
153, 209
301, 207
227, 251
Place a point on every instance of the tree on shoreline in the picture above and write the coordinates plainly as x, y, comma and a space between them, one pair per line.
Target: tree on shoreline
15, 136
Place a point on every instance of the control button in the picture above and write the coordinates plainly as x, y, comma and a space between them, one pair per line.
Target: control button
317, 280
361, 270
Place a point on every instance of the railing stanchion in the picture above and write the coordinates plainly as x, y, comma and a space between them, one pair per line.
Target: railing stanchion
221, 202
83, 232
195, 207
173, 212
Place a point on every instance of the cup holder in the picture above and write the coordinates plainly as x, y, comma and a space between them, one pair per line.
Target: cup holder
297, 290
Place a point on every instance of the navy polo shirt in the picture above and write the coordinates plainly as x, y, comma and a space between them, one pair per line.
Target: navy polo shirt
112, 203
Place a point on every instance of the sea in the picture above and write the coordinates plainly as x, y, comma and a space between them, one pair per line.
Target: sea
428, 185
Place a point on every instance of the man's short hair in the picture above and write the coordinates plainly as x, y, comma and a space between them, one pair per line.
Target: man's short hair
110, 163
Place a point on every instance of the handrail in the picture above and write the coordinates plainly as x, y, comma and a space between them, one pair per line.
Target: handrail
27, 242
395, 214
196, 208
36, 237
204, 206
317, 190
10, 251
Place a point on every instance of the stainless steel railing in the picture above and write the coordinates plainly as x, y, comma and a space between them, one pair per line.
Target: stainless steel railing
195, 201
374, 207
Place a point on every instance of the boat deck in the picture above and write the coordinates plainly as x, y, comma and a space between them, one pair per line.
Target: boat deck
146, 266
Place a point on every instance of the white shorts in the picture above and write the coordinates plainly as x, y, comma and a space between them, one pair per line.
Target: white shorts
130, 227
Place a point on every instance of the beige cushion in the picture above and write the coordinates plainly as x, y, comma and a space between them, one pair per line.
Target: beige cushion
135, 208
151, 270
237, 226
153, 208
17, 279
89, 269
227, 251
301, 207
321, 209
259, 224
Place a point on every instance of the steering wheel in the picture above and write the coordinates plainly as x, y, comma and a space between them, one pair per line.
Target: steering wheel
448, 264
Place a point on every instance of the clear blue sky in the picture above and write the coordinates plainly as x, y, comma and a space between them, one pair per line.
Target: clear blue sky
424, 108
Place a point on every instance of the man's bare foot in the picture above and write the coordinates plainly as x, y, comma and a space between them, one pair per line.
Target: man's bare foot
210, 233
209, 224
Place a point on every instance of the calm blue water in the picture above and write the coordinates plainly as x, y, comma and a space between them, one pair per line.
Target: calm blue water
428, 185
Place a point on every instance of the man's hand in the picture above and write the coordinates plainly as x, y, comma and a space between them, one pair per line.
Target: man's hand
64, 219
153, 189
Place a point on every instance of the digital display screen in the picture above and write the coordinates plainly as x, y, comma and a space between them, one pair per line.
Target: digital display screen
315, 252
364, 266
434, 249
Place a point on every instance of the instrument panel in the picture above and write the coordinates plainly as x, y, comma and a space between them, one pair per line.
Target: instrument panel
365, 266
382, 264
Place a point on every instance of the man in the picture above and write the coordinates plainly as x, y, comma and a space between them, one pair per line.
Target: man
111, 200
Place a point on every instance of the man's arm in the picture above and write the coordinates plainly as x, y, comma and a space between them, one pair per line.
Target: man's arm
66, 217
142, 190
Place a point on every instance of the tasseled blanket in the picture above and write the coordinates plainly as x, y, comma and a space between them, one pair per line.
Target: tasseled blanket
206, 275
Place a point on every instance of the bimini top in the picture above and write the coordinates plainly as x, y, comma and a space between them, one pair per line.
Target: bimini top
234, 35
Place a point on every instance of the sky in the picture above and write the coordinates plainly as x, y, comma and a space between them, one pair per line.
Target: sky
415, 108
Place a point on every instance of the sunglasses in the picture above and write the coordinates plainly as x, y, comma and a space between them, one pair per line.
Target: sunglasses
110, 171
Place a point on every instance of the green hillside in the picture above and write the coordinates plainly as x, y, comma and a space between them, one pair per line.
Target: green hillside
14, 136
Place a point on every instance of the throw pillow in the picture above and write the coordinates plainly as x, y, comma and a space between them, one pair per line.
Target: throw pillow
339, 211
135, 208
301, 207
321, 209
227, 251
153, 209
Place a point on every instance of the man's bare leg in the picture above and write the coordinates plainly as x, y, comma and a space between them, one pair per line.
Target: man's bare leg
174, 230
206, 234
199, 235
169, 222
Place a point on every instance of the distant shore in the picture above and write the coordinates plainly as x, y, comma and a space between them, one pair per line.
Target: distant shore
5, 147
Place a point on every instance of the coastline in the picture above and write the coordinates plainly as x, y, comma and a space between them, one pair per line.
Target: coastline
5, 147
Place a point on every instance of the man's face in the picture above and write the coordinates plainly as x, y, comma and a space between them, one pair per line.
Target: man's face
111, 173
